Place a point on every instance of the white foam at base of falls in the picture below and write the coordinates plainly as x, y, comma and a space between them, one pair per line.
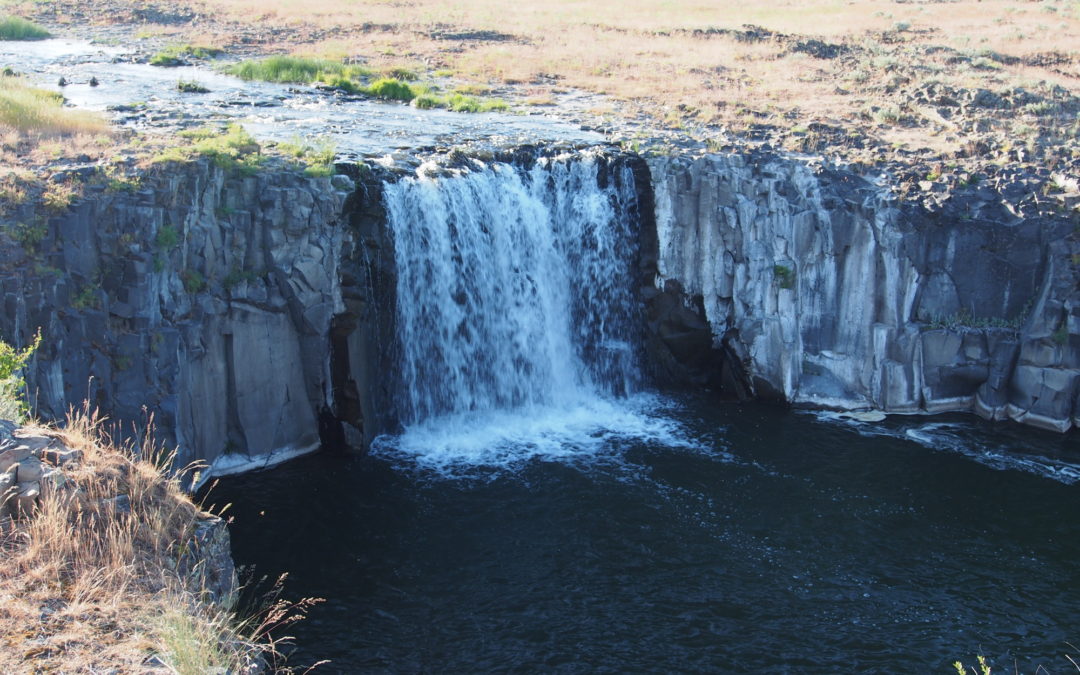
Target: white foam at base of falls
518, 329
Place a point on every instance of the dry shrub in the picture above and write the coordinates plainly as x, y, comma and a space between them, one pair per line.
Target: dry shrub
88, 583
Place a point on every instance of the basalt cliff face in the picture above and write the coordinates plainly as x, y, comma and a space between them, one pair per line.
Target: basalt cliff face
819, 287
253, 316
204, 299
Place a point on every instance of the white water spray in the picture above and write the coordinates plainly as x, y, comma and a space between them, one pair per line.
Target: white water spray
516, 316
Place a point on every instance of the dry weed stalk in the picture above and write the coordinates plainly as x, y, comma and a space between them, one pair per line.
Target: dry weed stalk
95, 581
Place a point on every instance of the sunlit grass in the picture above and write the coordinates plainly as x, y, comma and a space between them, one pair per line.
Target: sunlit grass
18, 28
295, 70
30, 110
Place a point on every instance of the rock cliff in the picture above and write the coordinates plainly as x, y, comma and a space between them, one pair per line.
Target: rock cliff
252, 315
821, 287
204, 299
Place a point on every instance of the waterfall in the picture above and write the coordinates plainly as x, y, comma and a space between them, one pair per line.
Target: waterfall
517, 321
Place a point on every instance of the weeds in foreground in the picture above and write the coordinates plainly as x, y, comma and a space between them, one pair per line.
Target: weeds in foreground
89, 583
39, 112
982, 665
18, 28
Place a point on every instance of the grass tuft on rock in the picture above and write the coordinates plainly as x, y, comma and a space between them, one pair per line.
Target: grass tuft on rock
18, 28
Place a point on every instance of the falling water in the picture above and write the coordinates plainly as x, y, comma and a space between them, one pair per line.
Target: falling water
516, 315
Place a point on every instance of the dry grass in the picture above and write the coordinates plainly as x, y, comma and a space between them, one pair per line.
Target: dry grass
701, 68
88, 587
36, 128
647, 51
32, 111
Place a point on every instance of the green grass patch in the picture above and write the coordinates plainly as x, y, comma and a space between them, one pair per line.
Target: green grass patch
296, 70
392, 89
32, 110
229, 148
397, 84
460, 103
177, 55
18, 28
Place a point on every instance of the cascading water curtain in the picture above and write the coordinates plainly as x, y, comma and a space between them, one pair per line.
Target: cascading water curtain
515, 287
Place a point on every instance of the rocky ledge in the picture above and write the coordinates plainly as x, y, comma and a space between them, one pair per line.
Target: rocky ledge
787, 279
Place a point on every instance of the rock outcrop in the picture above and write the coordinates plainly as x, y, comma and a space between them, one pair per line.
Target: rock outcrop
252, 316
820, 287
203, 299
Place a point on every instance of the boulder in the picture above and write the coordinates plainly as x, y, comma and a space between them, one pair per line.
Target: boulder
29, 469
26, 500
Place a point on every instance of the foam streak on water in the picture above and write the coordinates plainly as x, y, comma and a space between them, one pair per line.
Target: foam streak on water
1019, 450
516, 319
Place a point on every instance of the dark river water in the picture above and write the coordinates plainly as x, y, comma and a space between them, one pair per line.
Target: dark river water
748, 539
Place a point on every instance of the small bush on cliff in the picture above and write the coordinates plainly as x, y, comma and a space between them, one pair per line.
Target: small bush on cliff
18, 28
784, 275
13, 404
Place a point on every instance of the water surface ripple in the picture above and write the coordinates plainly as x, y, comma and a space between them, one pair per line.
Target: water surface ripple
772, 543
